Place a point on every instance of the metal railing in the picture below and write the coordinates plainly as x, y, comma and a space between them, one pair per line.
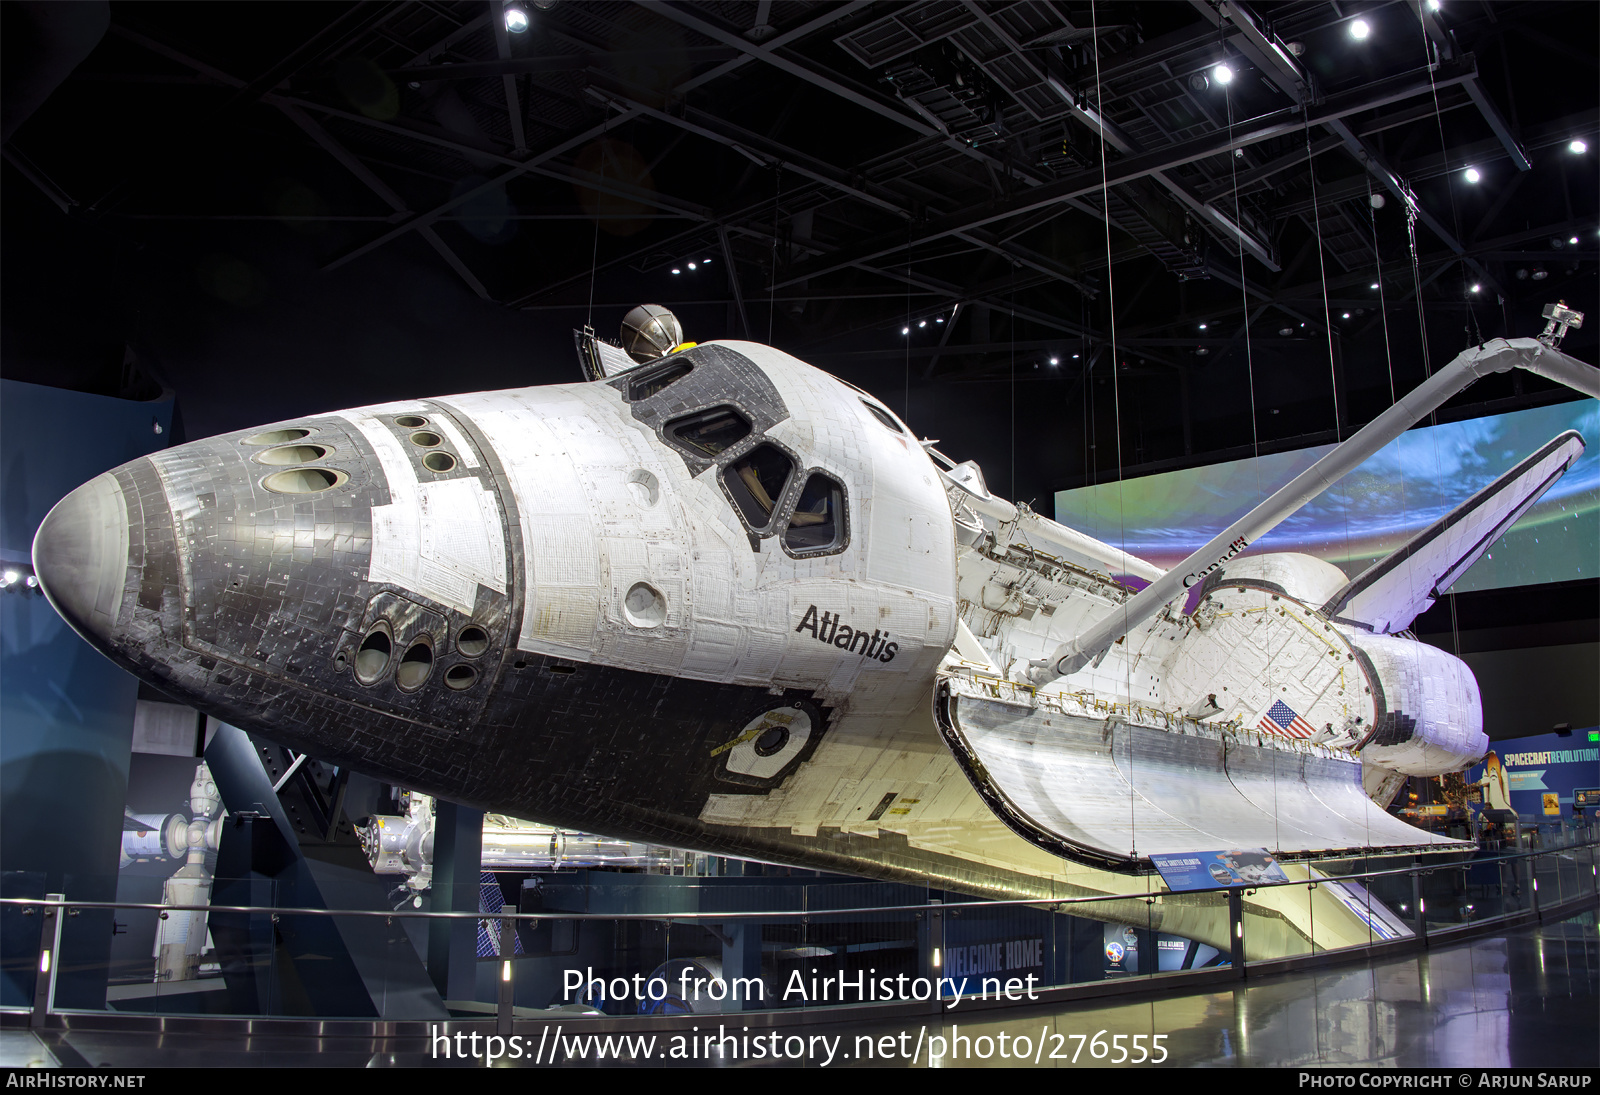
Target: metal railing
925, 951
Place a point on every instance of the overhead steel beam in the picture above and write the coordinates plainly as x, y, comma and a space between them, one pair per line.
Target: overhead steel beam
794, 34
422, 220
944, 339
561, 62
1378, 94
382, 189
923, 126
772, 153
1127, 145
1497, 122
508, 81
331, 146
733, 278
1280, 67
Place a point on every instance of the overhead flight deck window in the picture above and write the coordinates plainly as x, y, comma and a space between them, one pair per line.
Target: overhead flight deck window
817, 524
708, 433
882, 416
651, 381
757, 481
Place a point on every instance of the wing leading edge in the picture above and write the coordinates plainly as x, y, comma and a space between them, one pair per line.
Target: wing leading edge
1392, 592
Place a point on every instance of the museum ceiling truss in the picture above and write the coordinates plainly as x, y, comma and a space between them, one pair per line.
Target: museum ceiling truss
837, 173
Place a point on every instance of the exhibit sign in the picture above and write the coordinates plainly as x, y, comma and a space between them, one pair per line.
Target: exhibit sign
1545, 769
1208, 870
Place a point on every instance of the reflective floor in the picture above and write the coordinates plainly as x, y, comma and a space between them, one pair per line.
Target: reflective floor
1529, 998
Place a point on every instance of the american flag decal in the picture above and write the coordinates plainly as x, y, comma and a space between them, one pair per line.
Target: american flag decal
1281, 719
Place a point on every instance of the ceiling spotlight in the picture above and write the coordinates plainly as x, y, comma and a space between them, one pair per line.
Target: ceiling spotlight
938, 319
1202, 326
1433, 5
1578, 147
1347, 315
1285, 332
414, 84
1540, 273
1202, 351
1473, 175
691, 266
1377, 201
1476, 287
1297, 48
1222, 74
1374, 285
1573, 241
905, 330
516, 19
924, 323
1055, 361
1198, 82
1074, 357
1359, 29
675, 270
11, 576
705, 262
1522, 274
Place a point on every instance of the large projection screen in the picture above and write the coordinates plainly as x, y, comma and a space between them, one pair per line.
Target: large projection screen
1411, 482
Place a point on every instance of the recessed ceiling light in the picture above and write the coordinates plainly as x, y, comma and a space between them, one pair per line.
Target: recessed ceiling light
1473, 175
1359, 29
1222, 74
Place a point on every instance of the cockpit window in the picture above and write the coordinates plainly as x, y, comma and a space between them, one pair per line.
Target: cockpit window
882, 416
817, 524
652, 380
708, 433
757, 481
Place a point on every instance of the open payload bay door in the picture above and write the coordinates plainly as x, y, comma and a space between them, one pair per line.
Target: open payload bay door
1094, 787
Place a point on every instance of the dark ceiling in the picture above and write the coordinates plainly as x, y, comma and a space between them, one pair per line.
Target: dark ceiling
1102, 257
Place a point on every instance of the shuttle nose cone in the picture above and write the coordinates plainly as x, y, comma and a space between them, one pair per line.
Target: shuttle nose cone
80, 555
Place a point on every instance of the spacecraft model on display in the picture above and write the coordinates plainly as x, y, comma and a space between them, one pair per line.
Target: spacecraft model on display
723, 600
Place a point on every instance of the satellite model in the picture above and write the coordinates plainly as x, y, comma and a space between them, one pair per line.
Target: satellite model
724, 600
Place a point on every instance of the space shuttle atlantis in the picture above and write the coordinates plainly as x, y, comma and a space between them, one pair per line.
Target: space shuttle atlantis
724, 600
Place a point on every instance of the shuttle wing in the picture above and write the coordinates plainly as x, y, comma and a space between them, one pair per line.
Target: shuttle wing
1388, 595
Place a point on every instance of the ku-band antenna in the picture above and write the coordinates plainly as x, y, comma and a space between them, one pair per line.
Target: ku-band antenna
1561, 319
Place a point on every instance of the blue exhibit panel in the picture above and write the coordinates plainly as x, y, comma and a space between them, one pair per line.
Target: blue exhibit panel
1543, 765
66, 711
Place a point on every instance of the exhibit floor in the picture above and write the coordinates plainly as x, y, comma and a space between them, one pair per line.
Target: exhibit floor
1524, 998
